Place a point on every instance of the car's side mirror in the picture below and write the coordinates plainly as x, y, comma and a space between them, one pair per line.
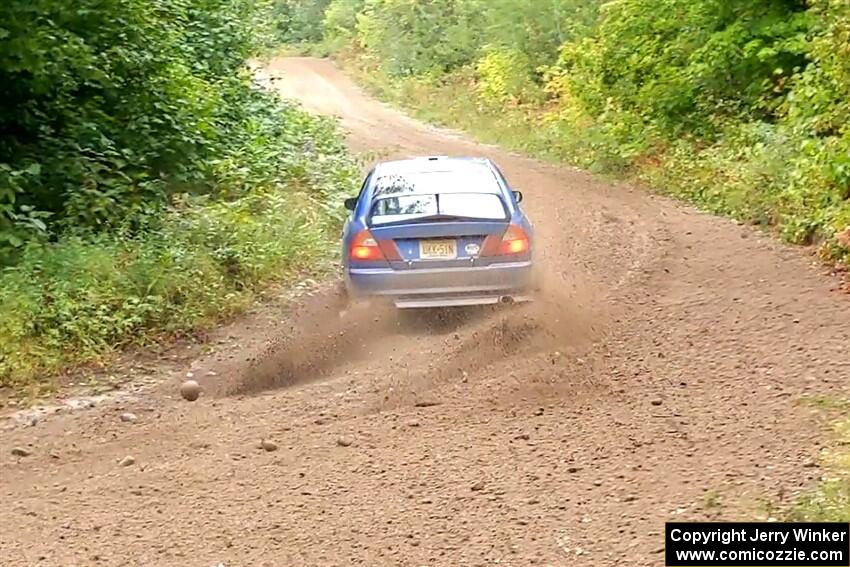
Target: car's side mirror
351, 203
518, 196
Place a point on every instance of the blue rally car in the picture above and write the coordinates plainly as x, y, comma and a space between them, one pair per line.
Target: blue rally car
437, 232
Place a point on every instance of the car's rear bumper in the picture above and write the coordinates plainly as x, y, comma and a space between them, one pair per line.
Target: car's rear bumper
444, 287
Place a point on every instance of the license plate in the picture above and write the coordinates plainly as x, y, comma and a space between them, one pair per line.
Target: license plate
438, 249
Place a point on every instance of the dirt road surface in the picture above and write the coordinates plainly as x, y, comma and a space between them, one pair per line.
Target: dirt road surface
660, 377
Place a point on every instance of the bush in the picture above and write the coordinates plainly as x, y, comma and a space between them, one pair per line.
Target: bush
299, 21
340, 22
413, 38
505, 77
111, 106
80, 298
146, 185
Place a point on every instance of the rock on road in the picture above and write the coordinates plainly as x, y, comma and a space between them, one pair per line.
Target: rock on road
659, 378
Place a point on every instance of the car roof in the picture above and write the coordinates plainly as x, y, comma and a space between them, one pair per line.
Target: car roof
442, 164
429, 164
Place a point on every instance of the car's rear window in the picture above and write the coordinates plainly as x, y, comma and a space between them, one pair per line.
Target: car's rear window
460, 179
479, 206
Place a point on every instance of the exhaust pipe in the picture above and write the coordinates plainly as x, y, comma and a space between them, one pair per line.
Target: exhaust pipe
506, 299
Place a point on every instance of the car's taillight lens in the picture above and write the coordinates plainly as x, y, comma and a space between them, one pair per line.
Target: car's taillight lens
514, 241
366, 248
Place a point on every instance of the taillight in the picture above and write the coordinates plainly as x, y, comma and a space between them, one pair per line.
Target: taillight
514, 241
366, 248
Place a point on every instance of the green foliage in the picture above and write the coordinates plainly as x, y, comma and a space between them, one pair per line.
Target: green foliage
740, 107
146, 185
414, 38
829, 503
536, 28
299, 21
180, 269
111, 106
505, 77
734, 106
685, 65
339, 25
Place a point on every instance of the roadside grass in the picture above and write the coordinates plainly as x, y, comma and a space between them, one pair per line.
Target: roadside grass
712, 501
82, 299
829, 501
826, 402
828, 498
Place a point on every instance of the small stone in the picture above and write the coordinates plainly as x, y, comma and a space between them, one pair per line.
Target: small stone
344, 441
128, 417
656, 402
523, 436
21, 452
573, 469
413, 423
190, 390
127, 461
267, 445
478, 486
